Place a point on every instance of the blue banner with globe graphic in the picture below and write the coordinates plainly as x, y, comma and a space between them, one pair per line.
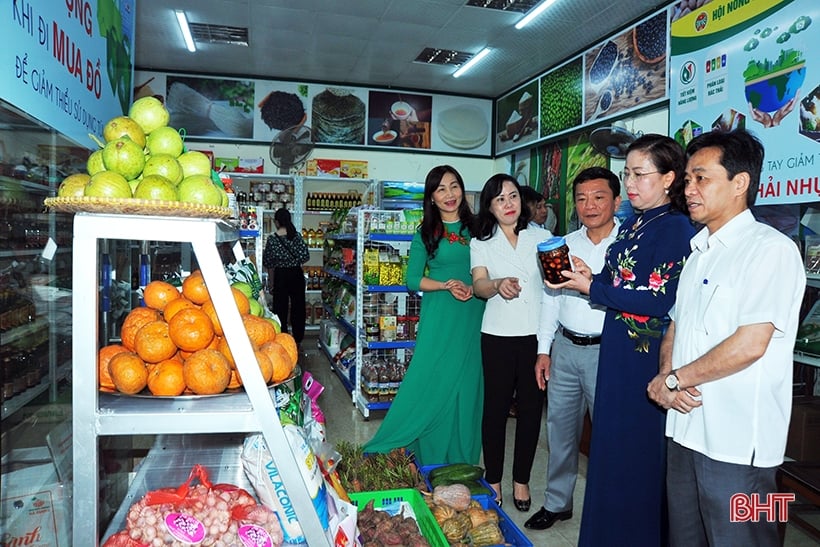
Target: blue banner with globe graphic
753, 64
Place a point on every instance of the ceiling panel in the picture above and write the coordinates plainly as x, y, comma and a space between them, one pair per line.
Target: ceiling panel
373, 43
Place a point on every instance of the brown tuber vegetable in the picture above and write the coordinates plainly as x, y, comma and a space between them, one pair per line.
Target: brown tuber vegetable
377, 528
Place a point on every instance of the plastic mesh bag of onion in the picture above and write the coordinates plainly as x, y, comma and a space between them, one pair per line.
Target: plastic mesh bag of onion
201, 514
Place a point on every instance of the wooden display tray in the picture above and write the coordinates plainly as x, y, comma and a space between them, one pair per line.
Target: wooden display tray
133, 206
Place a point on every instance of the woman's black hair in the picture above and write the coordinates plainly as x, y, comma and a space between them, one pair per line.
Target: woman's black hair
666, 155
486, 221
432, 227
282, 218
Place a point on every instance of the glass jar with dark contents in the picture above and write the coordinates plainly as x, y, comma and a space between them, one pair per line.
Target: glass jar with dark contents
553, 257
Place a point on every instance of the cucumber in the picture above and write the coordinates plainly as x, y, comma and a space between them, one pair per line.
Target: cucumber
456, 472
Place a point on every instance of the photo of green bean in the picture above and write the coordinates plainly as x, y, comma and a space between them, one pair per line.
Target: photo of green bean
561, 98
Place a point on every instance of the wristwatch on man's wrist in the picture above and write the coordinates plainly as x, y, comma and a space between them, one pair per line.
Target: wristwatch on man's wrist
671, 381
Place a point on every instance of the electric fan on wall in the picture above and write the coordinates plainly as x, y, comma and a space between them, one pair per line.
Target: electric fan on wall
291, 147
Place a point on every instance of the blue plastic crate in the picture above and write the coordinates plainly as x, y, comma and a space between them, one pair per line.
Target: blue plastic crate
513, 536
512, 533
425, 472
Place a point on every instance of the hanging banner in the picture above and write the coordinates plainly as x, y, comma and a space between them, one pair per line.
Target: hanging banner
753, 64
69, 63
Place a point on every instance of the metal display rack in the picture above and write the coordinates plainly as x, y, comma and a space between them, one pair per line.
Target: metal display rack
98, 414
363, 236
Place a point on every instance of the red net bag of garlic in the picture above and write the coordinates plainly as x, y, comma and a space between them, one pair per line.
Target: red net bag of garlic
198, 514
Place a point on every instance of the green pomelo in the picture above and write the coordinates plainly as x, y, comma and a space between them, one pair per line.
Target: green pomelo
199, 189
124, 156
123, 126
164, 165
195, 163
108, 184
73, 186
149, 113
164, 140
156, 187
95, 163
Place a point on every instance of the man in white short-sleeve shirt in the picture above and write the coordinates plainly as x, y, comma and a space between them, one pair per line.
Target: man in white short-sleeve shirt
726, 359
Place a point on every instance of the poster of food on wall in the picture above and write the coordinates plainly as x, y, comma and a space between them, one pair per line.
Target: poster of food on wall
561, 98
231, 109
209, 107
516, 118
755, 67
338, 114
399, 119
626, 71
461, 124
279, 105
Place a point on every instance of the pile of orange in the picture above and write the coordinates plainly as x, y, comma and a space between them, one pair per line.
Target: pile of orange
175, 345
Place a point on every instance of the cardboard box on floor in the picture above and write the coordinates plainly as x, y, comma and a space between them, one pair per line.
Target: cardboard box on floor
36, 506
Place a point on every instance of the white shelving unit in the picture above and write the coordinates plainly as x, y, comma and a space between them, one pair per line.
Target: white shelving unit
97, 414
361, 238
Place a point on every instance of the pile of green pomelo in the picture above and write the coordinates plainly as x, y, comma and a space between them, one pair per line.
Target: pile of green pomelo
144, 158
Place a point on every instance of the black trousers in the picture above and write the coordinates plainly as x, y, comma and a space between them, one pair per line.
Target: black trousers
289, 300
509, 368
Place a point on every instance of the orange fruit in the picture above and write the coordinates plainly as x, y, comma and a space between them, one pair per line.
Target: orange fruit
265, 367
153, 342
103, 358
133, 322
157, 294
191, 329
259, 330
242, 304
174, 306
223, 348
206, 372
194, 288
166, 379
287, 341
128, 372
279, 358
236, 381
210, 311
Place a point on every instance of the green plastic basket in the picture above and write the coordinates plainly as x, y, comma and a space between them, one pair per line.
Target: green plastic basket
427, 523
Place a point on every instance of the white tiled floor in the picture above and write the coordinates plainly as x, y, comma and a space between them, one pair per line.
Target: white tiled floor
345, 422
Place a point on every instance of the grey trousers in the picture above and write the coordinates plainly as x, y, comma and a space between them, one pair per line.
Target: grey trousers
699, 489
571, 390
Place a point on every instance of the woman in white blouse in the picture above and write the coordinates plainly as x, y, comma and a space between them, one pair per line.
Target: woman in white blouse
505, 271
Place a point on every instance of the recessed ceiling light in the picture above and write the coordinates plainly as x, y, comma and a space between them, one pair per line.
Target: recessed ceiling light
471, 63
182, 19
533, 13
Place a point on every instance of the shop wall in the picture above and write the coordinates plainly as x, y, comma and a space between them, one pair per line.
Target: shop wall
405, 166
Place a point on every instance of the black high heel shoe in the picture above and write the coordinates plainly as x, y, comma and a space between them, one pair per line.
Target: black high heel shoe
522, 505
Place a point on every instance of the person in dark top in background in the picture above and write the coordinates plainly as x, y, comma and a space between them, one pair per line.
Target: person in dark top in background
285, 252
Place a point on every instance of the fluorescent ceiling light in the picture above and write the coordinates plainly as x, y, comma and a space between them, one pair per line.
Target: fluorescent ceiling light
186, 31
533, 13
469, 64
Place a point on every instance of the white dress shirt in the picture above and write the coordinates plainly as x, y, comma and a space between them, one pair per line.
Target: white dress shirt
570, 308
518, 316
745, 273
